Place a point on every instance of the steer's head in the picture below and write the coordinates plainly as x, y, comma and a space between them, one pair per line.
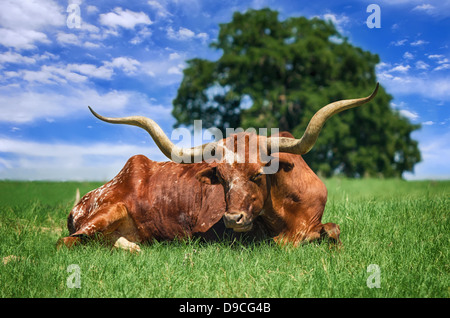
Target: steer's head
241, 170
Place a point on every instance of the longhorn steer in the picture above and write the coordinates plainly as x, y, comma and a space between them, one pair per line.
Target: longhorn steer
163, 200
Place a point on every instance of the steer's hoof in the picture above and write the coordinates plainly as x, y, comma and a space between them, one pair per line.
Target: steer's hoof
124, 244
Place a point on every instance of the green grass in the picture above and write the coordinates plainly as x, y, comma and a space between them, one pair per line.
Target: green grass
403, 227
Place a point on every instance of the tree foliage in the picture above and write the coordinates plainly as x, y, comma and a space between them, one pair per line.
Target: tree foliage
277, 74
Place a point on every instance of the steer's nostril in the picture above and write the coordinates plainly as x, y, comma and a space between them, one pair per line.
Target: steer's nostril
235, 218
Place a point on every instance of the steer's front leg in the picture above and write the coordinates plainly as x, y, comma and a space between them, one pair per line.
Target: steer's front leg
329, 232
112, 223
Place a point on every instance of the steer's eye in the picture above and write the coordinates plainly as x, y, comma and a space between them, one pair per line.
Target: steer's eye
256, 177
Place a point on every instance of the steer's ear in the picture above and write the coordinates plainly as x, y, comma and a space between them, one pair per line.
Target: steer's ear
208, 176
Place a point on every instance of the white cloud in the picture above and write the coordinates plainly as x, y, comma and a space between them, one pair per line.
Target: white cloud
167, 71
31, 160
340, 21
408, 56
27, 106
418, 43
24, 106
22, 22
22, 39
433, 87
400, 68
184, 34
16, 58
181, 34
67, 38
83, 36
421, 65
398, 105
89, 27
399, 79
46, 56
437, 8
427, 8
203, 37
436, 56
128, 65
409, 114
124, 18
424, 7
59, 74
160, 9
31, 15
141, 35
91, 9
442, 67
51, 75
382, 65
399, 42
439, 58
178, 69
91, 45
384, 71
402, 107
76, 73
103, 72
36, 149
428, 123
174, 56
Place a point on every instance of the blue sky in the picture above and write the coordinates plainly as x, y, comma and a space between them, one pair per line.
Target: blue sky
127, 58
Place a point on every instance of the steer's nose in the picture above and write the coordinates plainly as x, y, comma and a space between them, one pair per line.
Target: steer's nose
233, 219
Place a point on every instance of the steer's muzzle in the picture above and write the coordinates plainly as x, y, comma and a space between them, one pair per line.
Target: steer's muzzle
238, 221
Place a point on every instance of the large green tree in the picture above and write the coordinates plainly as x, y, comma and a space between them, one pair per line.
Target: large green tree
277, 74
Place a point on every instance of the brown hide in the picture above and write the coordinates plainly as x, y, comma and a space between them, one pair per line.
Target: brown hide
163, 200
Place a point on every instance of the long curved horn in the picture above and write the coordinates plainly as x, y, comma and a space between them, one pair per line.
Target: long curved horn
306, 142
170, 150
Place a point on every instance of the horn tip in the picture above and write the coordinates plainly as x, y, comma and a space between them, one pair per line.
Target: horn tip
375, 91
93, 112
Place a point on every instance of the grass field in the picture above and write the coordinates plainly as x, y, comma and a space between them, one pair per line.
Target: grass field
402, 227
